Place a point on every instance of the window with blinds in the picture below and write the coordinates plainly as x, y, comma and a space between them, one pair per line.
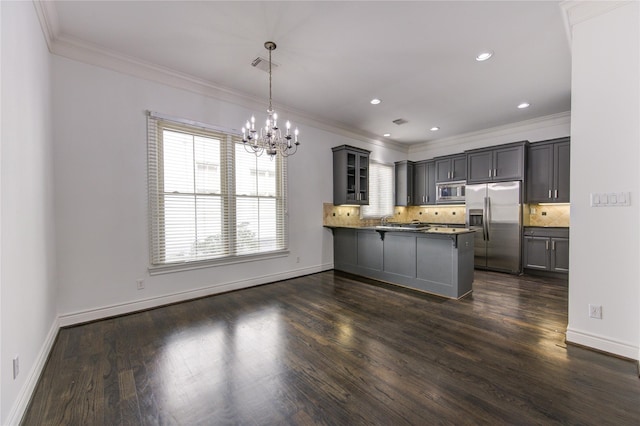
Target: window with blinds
209, 199
381, 186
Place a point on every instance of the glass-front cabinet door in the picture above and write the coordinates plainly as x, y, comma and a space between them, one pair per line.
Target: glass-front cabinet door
350, 175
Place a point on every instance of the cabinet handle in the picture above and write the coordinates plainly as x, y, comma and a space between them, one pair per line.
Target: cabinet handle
553, 245
549, 193
546, 245
495, 172
489, 172
555, 194
408, 200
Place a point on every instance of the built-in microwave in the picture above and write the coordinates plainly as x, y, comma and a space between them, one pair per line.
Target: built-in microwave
450, 192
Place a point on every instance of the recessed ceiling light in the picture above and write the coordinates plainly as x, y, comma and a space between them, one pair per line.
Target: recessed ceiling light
434, 128
386, 135
375, 101
483, 56
524, 105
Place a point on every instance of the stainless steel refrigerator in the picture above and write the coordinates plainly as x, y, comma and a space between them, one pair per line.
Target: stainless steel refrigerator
494, 211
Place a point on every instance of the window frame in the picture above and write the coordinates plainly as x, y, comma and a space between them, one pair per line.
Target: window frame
391, 169
156, 123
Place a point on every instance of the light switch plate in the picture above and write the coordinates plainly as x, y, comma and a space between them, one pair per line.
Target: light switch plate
610, 199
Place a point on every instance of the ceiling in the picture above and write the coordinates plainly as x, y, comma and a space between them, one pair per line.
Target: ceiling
333, 57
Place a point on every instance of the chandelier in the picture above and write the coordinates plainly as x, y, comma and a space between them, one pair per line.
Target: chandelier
269, 139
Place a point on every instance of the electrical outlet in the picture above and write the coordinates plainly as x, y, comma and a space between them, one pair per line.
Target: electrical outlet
140, 283
16, 367
595, 311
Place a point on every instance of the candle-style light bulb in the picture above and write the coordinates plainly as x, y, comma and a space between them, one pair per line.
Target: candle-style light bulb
296, 134
288, 128
253, 122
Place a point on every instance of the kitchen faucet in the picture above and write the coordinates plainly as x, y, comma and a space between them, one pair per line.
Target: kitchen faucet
385, 219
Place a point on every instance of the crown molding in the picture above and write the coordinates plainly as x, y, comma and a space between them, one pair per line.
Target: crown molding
577, 11
78, 50
462, 142
48, 18
90, 54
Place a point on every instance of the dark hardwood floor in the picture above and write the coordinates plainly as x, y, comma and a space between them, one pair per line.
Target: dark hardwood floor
335, 349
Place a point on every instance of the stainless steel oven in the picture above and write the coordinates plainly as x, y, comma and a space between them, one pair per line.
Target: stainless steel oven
450, 192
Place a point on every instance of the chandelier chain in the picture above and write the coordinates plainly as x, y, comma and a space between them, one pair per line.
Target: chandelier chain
270, 139
270, 97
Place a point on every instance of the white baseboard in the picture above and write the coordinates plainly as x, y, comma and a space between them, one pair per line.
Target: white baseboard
139, 305
602, 343
24, 396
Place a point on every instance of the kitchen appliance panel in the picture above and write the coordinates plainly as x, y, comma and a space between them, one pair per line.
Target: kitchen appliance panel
450, 192
495, 211
475, 196
505, 226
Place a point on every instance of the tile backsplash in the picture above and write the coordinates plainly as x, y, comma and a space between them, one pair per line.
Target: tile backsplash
437, 214
350, 215
546, 214
534, 215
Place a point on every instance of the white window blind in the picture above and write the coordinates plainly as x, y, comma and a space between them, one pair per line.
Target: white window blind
209, 199
381, 186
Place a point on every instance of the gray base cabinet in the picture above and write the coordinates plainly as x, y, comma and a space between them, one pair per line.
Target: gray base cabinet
546, 249
441, 264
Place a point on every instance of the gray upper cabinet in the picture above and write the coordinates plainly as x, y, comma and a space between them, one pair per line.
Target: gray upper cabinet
451, 168
404, 183
496, 164
548, 171
424, 183
350, 175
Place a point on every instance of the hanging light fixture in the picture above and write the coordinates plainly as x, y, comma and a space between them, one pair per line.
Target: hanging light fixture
269, 138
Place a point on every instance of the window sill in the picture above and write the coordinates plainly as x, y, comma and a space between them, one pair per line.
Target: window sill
200, 264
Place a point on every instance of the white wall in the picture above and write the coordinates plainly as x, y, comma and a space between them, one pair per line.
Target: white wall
101, 198
605, 153
27, 252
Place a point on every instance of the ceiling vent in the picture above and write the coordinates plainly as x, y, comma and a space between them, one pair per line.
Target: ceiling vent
263, 64
400, 121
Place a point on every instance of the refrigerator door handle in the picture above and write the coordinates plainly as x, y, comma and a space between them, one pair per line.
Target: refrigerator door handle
487, 209
485, 233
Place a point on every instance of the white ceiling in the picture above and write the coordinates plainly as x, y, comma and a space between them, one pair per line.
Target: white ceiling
335, 56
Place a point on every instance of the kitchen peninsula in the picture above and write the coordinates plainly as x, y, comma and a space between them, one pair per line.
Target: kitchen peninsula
436, 260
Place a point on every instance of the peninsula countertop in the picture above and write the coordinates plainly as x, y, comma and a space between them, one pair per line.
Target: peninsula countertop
436, 260
398, 228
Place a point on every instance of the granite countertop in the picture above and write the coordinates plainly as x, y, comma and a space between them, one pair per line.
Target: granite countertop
438, 230
431, 230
